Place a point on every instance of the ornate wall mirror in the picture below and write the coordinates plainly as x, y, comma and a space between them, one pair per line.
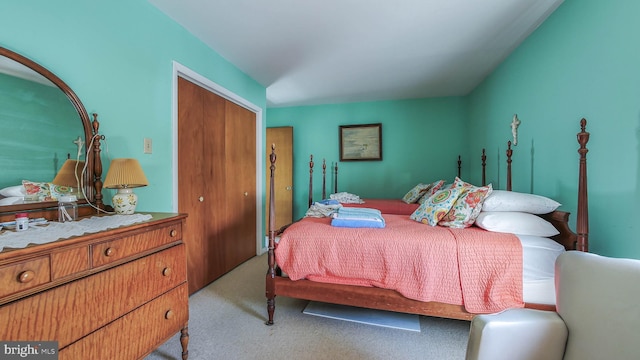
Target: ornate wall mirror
43, 124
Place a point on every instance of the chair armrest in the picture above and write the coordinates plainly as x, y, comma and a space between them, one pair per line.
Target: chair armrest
523, 334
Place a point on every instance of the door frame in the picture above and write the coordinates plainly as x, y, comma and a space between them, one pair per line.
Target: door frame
182, 71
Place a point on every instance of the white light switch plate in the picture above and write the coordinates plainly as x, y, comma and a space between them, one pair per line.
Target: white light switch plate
147, 146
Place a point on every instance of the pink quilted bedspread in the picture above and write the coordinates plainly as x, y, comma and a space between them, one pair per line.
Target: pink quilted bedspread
472, 267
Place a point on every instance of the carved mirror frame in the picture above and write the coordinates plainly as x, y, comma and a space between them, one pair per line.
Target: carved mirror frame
92, 177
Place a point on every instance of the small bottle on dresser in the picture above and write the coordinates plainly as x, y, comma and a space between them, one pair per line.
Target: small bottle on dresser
67, 208
22, 221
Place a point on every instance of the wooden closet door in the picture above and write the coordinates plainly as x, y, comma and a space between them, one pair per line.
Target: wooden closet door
282, 137
200, 180
214, 184
190, 174
240, 145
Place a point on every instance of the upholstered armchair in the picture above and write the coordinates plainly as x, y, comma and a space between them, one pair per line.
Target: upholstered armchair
598, 316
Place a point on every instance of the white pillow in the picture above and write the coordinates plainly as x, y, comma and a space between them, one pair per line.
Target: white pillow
516, 223
501, 200
11, 200
10, 191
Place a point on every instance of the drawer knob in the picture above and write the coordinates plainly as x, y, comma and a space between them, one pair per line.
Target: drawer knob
109, 252
26, 276
168, 315
166, 271
173, 233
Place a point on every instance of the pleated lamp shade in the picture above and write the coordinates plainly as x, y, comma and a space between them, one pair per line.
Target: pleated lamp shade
70, 174
125, 174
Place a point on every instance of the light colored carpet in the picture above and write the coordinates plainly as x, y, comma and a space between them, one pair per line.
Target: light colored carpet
227, 322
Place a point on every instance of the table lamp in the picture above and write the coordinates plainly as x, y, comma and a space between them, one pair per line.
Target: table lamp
70, 175
124, 175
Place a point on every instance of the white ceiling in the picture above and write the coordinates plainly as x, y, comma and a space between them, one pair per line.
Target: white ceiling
333, 51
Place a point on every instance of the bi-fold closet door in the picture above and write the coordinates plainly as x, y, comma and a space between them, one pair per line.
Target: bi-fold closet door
216, 182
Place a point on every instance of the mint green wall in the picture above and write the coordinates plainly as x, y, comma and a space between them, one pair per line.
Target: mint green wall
117, 56
421, 140
582, 62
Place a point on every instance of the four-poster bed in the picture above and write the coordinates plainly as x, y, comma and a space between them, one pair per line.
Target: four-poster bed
385, 299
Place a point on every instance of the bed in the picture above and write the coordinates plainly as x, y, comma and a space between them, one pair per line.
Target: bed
449, 303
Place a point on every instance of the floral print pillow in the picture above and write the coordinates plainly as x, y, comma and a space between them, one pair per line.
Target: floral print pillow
416, 193
37, 191
467, 207
436, 206
434, 187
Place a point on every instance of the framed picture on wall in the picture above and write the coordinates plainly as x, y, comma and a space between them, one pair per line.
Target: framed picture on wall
361, 142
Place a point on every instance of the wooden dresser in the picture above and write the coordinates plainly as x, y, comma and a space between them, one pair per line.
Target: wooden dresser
116, 294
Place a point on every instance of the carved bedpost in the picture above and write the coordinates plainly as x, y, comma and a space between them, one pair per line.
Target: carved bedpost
459, 165
484, 168
271, 256
509, 153
97, 162
582, 221
324, 179
310, 180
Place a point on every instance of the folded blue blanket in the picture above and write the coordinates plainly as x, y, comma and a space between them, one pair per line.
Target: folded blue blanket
364, 213
355, 223
358, 217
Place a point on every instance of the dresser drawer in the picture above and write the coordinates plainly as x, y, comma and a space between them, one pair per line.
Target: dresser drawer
24, 275
114, 250
137, 333
68, 312
69, 261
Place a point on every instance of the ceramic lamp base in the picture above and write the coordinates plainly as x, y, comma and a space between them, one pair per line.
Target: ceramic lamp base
125, 201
